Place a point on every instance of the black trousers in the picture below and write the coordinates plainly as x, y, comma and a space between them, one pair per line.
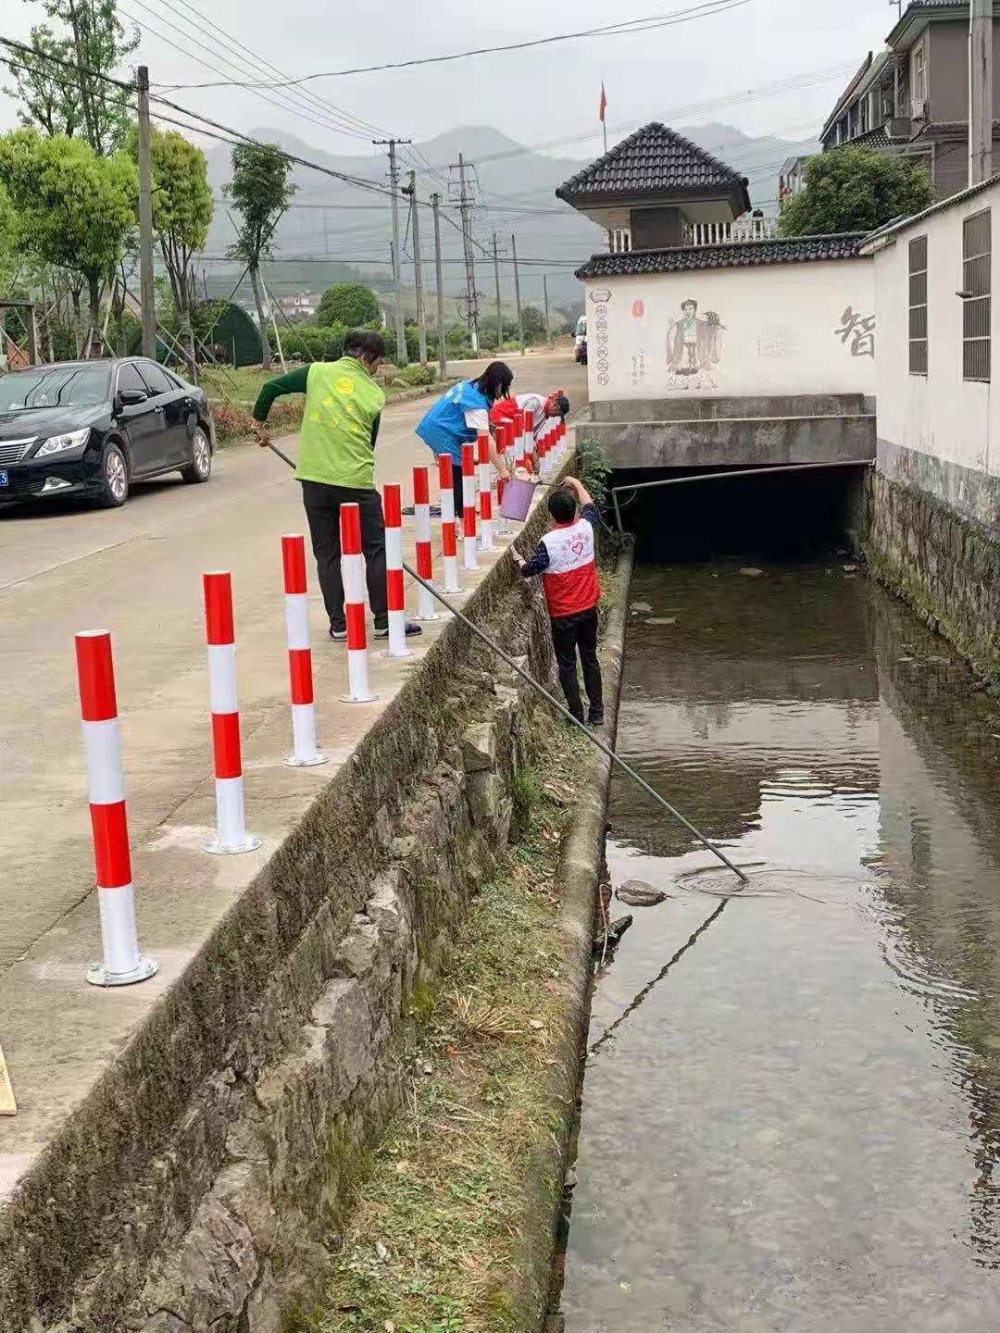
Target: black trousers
322, 504
569, 635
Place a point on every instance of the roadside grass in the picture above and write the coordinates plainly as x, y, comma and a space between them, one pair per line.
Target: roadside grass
233, 392
430, 1246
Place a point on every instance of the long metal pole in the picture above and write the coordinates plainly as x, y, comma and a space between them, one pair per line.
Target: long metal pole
728, 476
496, 280
980, 91
584, 731
594, 740
147, 292
439, 279
470, 261
517, 293
545, 295
401, 357
418, 275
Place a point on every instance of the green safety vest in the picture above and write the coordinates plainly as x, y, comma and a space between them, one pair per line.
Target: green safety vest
335, 442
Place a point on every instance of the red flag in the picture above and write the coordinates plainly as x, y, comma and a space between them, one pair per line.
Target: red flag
604, 102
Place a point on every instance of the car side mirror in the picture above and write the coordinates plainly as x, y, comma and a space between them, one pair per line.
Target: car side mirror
131, 397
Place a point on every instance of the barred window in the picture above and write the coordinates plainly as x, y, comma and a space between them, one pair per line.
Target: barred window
976, 290
918, 306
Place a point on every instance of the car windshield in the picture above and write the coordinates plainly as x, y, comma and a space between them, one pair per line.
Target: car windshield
54, 386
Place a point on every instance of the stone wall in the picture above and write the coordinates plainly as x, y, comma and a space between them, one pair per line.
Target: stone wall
202, 1184
946, 566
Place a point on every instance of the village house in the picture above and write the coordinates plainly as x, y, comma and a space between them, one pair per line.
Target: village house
913, 97
711, 341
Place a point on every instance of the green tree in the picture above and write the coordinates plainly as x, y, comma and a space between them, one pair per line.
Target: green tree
59, 84
182, 213
349, 303
261, 192
855, 189
534, 324
71, 207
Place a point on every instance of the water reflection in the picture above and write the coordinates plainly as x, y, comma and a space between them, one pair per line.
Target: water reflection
792, 1105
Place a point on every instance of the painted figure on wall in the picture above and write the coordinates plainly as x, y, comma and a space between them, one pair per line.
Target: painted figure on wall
693, 348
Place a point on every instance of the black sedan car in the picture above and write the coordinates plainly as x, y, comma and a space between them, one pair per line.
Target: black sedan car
92, 428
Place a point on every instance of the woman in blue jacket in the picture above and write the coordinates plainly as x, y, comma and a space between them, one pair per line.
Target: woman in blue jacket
462, 415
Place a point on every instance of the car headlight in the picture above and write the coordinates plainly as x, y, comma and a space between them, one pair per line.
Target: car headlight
58, 444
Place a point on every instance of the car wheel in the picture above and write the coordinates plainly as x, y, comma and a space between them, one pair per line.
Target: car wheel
200, 467
114, 484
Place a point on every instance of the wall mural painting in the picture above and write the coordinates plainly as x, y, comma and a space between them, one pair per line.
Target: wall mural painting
602, 360
694, 346
857, 332
639, 360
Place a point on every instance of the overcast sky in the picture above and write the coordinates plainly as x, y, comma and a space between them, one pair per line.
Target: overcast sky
550, 93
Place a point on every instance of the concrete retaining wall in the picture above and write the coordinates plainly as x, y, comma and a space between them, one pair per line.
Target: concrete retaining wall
201, 1185
946, 566
745, 441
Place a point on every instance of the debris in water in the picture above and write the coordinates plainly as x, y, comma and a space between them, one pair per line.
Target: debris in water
662, 620
751, 572
615, 931
850, 569
638, 607
635, 893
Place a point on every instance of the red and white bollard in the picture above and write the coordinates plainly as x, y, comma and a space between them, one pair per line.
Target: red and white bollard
392, 504
505, 436
352, 571
424, 551
102, 746
518, 438
529, 439
305, 752
449, 537
469, 506
485, 493
230, 819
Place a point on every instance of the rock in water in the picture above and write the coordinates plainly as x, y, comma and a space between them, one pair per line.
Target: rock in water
662, 620
615, 931
637, 894
750, 572
638, 607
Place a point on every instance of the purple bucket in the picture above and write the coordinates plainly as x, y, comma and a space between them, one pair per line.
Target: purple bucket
517, 497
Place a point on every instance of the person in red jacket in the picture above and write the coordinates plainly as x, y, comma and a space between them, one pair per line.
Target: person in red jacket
566, 559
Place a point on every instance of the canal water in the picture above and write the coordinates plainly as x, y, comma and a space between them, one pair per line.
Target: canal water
791, 1111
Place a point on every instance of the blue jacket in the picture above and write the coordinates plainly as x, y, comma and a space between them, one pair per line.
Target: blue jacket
443, 429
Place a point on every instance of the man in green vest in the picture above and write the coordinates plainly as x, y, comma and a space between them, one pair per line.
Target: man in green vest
340, 424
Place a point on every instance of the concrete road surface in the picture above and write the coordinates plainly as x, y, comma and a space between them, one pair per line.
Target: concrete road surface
137, 571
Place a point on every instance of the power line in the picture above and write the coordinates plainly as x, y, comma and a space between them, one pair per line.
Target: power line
307, 97
280, 100
66, 64
627, 26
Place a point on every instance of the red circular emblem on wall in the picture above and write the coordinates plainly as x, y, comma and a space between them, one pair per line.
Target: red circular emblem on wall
638, 309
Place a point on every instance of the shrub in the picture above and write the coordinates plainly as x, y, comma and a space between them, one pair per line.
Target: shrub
416, 376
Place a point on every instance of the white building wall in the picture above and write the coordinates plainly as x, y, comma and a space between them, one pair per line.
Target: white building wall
936, 430
771, 330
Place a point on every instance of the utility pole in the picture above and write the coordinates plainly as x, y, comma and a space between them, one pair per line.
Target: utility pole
465, 207
439, 279
147, 292
496, 279
980, 91
418, 277
397, 286
517, 293
545, 294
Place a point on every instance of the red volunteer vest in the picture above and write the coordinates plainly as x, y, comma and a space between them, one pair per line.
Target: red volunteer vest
570, 581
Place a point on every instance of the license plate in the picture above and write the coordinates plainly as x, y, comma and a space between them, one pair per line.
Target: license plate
3, 478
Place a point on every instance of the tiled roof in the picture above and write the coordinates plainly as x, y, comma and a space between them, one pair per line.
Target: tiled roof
653, 161
749, 254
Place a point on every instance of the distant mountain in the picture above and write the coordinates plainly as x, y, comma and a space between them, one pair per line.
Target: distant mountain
514, 188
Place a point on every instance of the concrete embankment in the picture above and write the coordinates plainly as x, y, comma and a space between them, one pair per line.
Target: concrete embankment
203, 1179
